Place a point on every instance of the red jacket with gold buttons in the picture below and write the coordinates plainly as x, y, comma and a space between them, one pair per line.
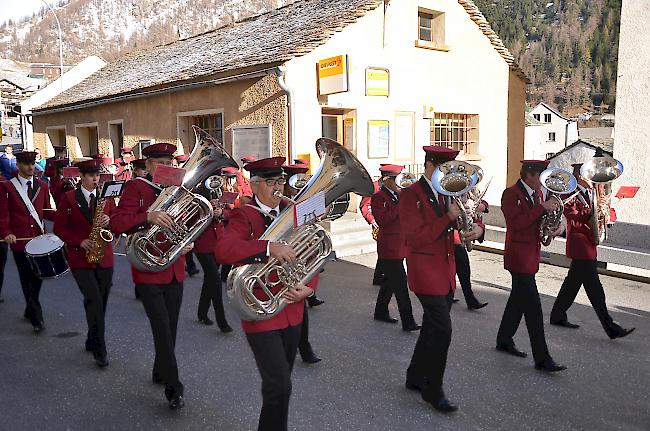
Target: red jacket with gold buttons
385, 209
580, 237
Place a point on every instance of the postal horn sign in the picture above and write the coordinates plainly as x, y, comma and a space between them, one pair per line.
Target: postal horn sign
333, 75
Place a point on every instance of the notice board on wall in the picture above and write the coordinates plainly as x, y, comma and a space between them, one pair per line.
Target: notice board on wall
252, 140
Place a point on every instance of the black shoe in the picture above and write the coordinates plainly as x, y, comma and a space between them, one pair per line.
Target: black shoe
101, 359
620, 333
310, 358
511, 350
564, 323
413, 386
156, 379
176, 402
477, 306
225, 328
440, 403
2, 300
38, 327
90, 347
454, 300
386, 319
206, 320
411, 327
549, 366
191, 272
313, 301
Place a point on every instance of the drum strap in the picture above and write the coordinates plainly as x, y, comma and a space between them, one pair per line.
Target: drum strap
27, 202
154, 186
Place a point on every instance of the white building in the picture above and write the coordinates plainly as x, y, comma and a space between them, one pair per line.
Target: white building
632, 128
581, 151
556, 133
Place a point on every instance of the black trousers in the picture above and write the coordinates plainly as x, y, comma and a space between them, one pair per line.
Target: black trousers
95, 285
190, 265
304, 346
31, 286
275, 352
582, 272
524, 301
378, 274
225, 270
394, 282
3, 261
211, 292
464, 273
162, 303
429, 360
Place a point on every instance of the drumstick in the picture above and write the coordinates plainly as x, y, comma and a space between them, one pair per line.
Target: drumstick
18, 239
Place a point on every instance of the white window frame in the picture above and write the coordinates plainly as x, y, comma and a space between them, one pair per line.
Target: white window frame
110, 138
80, 125
184, 114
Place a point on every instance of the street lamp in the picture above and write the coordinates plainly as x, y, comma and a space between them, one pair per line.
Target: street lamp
60, 38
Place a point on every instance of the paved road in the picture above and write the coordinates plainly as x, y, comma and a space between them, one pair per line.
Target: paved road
49, 382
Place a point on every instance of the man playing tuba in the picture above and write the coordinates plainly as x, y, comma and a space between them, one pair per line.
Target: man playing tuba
274, 342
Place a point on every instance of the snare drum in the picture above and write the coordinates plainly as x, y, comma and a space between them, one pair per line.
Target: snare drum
46, 255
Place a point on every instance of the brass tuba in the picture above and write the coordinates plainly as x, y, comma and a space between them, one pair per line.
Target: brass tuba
156, 248
339, 173
455, 179
557, 182
600, 171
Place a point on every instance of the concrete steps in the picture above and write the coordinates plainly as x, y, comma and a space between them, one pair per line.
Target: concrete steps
351, 235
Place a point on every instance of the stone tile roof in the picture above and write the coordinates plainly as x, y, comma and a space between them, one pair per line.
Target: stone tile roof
271, 38
21, 80
605, 144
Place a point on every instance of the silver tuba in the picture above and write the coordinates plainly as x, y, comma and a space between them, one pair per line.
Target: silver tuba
339, 173
600, 171
156, 248
557, 182
455, 179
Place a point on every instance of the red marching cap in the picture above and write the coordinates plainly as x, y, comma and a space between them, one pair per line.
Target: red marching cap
297, 168
438, 152
127, 149
266, 167
534, 165
89, 166
161, 149
391, 170
229, 171
182, 157
248, 159
25, 156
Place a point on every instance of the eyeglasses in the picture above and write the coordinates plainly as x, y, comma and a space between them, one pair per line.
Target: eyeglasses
273, 181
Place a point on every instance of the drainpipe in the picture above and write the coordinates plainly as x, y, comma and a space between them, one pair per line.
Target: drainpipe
291, 130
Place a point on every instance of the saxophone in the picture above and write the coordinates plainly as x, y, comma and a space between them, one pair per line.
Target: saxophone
98, 235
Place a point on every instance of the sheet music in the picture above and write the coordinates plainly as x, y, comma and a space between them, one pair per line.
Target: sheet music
309, 210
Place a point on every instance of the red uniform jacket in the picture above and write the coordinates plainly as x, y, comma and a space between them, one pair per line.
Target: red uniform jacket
206, 242
429, 237
364, 205
15, 218
58, 188
123, 172
238, 245
385, 209
73, 223
579, 238
130, 217
522, 249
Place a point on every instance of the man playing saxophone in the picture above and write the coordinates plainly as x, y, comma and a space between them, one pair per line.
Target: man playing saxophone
274, 342
581, 249
79, 216
161, 292
523, 207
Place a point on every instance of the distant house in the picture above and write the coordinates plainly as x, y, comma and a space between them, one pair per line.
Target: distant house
14, 88
581, 151
556, 132
46, 71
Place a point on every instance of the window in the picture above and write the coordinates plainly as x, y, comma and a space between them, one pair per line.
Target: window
536, 116
88, 139
431, 28
549, 155
211, 123
116, 135
547, 118
551, 136
457, 131
210, 120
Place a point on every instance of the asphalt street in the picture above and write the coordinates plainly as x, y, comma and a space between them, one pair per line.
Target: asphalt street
48, 382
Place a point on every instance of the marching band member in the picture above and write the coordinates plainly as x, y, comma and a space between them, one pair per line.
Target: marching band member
73, 224
22, 204
427, 220
274, 341
522, 205
139, 168
304, 347
161, 292
124, 163
580, 247
366, 213
390, 251
211, 290
58, 185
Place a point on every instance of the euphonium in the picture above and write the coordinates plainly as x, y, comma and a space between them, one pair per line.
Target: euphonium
98, 235
405, 180
340, 173
600, 171
557, 182
156, 248
455, 179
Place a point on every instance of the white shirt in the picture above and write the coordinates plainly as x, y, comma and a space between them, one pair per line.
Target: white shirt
23, 182
267, 210
435, 193
87, 194
531, 192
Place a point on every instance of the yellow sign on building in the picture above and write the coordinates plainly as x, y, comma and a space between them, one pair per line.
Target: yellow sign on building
377, 82
333, 75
